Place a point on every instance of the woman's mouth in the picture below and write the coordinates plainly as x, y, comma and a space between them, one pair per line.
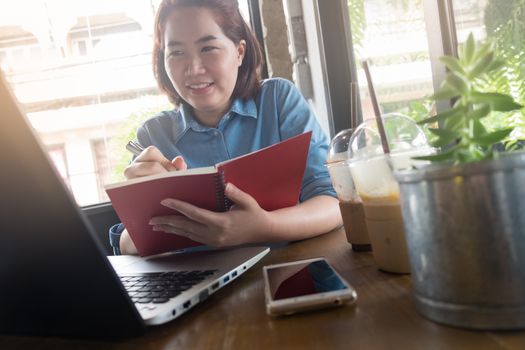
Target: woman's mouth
200, 87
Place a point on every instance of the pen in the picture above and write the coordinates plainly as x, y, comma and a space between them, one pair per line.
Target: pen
134, 148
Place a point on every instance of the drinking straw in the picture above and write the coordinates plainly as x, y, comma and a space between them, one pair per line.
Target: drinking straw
353, 104
377, 111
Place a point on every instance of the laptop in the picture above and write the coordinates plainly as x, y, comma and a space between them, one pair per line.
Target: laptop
54, 276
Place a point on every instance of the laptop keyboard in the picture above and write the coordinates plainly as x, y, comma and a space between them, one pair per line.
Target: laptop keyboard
160, 287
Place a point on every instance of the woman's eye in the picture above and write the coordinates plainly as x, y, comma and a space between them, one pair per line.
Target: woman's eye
208, 48
175, 53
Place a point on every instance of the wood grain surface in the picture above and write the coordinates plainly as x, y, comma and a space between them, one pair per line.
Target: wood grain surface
235, 318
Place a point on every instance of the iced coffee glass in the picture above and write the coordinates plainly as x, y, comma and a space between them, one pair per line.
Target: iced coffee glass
372, 173
349, 202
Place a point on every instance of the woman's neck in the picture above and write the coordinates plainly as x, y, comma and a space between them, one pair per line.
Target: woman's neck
210, 118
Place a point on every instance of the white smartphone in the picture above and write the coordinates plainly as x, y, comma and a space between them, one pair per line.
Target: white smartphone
304, 285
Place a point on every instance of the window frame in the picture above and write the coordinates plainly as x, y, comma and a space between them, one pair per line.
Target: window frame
340, 65
340, 69
256, 23
442, 40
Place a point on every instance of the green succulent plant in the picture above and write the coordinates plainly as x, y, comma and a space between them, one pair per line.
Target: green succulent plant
461, 135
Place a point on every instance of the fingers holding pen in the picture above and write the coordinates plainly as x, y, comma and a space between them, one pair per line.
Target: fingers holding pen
179, 163
151, 161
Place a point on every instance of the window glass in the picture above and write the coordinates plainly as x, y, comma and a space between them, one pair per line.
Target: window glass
469, 16
82, 72
245, 10
58, 156
503, 22
392, 36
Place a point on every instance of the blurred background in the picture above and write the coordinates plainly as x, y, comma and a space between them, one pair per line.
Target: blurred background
82, 69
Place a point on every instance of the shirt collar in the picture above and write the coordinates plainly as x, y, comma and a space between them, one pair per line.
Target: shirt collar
189, 120
244, 108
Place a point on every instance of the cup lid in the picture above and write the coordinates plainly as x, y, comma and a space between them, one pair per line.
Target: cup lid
339, 146
403, 135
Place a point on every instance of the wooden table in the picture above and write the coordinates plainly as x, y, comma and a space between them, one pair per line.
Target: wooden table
234, 318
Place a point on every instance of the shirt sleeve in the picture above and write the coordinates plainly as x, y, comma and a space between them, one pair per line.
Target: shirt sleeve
296, 117
143, 136
115, 232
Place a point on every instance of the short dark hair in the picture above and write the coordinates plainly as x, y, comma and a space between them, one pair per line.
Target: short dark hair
234, 27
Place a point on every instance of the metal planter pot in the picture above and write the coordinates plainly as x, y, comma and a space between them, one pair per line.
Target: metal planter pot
465, 228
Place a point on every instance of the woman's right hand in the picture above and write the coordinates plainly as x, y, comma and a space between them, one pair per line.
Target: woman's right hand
127, 247
152, 161
149, 162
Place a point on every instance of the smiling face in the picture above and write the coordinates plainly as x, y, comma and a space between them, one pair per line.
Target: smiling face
201, 62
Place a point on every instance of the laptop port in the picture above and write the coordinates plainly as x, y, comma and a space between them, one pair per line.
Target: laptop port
215, 285
234, 274
173, 312
203, 295
226, 279
186, 304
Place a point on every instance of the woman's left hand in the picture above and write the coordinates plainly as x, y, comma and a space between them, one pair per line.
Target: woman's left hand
245, 222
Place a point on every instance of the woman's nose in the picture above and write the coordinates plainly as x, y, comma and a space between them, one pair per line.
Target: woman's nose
195, 66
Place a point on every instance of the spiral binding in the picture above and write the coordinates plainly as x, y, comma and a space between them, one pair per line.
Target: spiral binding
223, 203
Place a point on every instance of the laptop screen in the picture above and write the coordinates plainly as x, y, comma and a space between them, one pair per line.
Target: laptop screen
55, 277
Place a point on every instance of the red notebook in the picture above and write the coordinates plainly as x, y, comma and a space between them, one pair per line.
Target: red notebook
272, 175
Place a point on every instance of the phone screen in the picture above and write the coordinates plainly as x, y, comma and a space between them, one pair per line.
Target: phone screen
301, 279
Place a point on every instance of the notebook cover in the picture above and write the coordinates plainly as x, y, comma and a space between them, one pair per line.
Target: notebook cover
137, 203
272, 175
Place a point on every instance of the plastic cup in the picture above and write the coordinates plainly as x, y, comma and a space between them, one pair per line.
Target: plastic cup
372, 173
380, 195
350, 204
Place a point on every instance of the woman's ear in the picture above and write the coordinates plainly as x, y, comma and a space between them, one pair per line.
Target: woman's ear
241, 49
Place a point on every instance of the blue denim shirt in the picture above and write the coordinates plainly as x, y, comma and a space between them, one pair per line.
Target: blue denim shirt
276, 114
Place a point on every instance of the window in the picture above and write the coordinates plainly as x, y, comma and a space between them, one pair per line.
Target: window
58, 157
500, 21
82, 71
469, 17
102, 166
3, 60
80, 47
403, 40
392, 36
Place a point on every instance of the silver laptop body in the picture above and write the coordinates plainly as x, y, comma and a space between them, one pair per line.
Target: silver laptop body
224, 266
54, 276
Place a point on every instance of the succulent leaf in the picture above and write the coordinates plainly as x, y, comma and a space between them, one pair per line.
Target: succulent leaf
445, 137
493, 137
447, 155
482, 65
498, 102
453, 64
445, 92
480, 112
443, 116
458, 82
462, 124
468, 51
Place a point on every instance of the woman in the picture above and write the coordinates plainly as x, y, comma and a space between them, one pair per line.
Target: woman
207, 61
